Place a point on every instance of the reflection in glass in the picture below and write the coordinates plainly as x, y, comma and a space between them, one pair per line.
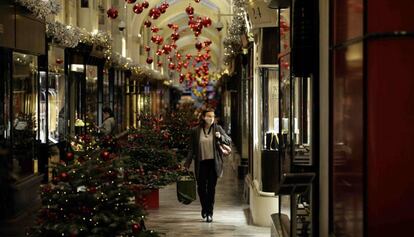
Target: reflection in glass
91, 95
24, 109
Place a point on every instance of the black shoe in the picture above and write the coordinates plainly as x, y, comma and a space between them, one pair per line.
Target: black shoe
209, 219
203, 214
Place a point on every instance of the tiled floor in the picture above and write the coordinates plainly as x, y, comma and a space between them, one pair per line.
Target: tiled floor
230, 213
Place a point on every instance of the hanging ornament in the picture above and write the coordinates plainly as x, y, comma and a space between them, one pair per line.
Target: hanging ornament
105, 155
197, 1
159, 52
154, 39
159, 63
178, 56
130, 1
136, 228
189, 10
169, 58
138, 8
174, 45
182, 77
70, 156
145, 4
162, 8
167, 48
154, 29
206, 21
170, 25
149, 60
147, 48
171, 66
147, 23
175, 36
188, 56
64, 176
159, 40
206, 56
59, 61
199, 46
175, 27
207, 43
155, 13
112, 13
197, 33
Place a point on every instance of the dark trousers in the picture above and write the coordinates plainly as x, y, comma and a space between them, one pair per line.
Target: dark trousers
206, 182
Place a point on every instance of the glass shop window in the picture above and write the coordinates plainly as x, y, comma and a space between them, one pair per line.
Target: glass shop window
24, 109
270, 107
91, 95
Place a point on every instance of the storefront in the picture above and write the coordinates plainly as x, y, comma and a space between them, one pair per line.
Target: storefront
22, 110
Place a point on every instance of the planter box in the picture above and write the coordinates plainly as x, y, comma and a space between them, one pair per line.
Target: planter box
149, 199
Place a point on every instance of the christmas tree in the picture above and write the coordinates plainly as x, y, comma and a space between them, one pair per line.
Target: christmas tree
91, 198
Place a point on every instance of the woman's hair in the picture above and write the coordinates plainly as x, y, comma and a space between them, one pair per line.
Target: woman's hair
109, 111
202, 115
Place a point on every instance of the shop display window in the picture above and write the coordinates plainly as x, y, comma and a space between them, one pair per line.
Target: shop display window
91, 95
270, 107
25, 109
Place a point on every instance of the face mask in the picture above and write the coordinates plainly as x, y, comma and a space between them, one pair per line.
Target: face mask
209, 120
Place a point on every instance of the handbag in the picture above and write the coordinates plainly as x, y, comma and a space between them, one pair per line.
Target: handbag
186, 188
225, 149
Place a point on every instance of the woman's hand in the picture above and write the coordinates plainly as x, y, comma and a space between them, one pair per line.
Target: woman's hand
218, 135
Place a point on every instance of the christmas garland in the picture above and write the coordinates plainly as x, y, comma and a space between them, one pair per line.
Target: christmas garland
41, 9
63, 35
232, 42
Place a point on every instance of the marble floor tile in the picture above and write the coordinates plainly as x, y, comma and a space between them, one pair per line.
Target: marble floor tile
231, 214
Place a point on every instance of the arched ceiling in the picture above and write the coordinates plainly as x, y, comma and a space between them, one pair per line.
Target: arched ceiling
176, 14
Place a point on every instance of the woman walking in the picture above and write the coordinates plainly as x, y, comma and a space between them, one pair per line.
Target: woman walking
208, 160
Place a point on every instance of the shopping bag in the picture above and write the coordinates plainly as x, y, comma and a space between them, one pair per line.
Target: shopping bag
186, 188
225, 150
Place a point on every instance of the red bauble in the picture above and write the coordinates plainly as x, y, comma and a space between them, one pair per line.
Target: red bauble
64, 176
188, 56
170, 25
197, 33
130, 1
171, 66
145, 4
147, 23
105, 155
112, 13
159, 39
147, 48
206, 56
175, 36
167, 48
163, 8
199, 46
59, 61
182, 77
155, 13
159, 64
136, 228
159, 52
92, 189
154, 39
154, 29
174, 45
206, 21
70, 156
197, 1
178, 56
149, 60
169, 58
138, 8
189, 10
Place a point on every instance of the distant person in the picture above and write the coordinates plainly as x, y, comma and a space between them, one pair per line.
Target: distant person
204, 150
108, 125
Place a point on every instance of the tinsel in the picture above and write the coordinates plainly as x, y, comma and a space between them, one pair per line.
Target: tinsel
63, 35
41, 9
232, 42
